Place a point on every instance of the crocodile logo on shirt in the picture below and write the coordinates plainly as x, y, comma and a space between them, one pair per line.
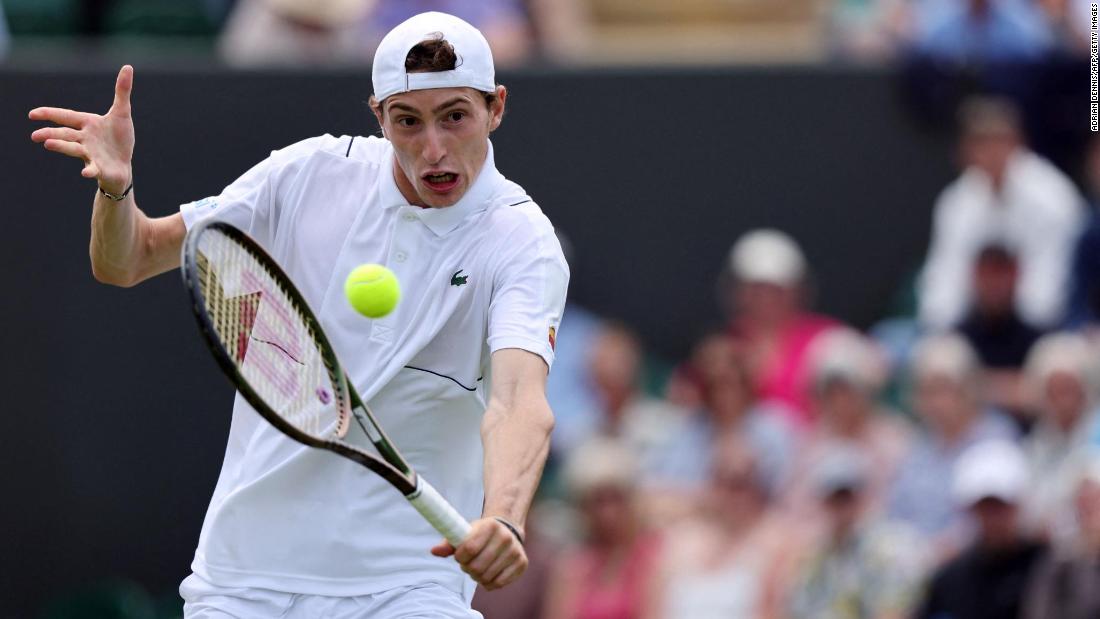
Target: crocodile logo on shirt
456, 280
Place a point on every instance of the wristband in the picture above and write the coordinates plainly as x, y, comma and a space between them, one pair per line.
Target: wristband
511, 527
120, 197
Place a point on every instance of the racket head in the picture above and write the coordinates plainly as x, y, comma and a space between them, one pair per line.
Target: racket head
264, 336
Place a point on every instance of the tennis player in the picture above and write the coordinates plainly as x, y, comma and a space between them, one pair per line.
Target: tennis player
296, 532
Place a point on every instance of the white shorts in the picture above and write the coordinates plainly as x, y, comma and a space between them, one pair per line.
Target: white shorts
204, 600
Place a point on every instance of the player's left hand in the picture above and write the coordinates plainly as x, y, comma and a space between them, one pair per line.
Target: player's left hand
490, 554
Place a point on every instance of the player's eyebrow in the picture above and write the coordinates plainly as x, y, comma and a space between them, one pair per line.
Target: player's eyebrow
439, 108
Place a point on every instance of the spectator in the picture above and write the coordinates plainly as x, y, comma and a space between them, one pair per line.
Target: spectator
731, 560
1062, 374
291, 33
769, 321
848, 373
1084, 304
1066, 583
505, 23
569, 389
996, 331
612, 574
645, 424
1006, 195
980, 31
728, 408
946, 376
859, 567
987, 580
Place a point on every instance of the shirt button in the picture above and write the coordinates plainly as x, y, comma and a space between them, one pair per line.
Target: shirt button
400, 256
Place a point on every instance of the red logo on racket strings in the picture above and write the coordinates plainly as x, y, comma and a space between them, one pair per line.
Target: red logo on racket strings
323, 395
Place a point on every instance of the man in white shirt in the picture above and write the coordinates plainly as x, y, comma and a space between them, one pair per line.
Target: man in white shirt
456, 373
1007, 195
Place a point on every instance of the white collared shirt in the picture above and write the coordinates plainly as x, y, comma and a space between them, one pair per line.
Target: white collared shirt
484, 274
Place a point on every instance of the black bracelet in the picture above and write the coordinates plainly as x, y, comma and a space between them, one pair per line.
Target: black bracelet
511, 527
120, 197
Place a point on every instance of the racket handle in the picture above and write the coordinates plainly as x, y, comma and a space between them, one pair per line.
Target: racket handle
437, 511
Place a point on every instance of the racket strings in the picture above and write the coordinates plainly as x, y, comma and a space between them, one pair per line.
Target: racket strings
265, 335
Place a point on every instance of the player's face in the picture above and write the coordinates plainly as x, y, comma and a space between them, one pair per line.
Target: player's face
441, 138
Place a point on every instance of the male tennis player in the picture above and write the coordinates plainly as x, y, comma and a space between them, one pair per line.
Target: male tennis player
297, 532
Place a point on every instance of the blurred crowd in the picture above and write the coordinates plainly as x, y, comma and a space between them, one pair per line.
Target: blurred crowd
315, 32
940, 464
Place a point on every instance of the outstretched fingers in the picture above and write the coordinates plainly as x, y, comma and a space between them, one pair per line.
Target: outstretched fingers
124, 85
56, 133
61, 116
72, 149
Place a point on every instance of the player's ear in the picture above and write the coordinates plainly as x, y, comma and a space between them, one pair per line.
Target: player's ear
496, 108
376, 108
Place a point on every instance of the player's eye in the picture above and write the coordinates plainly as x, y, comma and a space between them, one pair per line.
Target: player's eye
406, 121
456, 116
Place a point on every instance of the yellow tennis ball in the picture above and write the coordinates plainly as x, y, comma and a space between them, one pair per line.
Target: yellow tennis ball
372, 290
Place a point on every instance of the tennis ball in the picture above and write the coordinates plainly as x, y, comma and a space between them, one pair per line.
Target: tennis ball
372, 290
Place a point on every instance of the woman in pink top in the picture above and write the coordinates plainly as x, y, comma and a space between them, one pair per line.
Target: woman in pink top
611, 575
768, 323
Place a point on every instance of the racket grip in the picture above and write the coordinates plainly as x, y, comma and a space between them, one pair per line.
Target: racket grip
437, 511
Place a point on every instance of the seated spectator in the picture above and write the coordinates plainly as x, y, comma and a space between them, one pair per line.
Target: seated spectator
1066, 583
728, 408
1062, 374
987, 580
729, 561
611, 574
848, 373
768, 322
264, 33
979, 31
1006, 195
994, 328
647, 425
859, 566
946, 379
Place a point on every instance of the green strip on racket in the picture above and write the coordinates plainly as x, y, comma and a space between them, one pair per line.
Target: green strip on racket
271, 346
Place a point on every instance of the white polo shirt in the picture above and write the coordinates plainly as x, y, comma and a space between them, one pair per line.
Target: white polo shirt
484, 274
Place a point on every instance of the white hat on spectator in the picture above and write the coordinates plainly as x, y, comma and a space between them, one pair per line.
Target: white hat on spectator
846, 354
946, 354
995, 469
473, 69
600, 463
768, 256
842, 467
1062, 352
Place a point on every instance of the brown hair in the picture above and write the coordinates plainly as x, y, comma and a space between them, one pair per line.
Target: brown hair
435, 55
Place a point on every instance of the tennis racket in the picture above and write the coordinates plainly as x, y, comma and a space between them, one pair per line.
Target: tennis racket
271, 346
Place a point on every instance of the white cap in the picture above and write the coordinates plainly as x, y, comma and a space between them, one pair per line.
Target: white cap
473, 67
992, 469
767, 256
846, 354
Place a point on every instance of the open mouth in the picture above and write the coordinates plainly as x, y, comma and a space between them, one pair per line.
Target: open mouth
444, 181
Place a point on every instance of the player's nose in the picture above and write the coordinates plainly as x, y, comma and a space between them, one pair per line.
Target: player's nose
434, 148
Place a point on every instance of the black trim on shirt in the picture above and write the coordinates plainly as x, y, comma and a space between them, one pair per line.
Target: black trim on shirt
520, 202
350, 142
445, 376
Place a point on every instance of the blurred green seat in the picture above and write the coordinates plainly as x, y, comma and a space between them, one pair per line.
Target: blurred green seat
42, 17
161, 18
106, 600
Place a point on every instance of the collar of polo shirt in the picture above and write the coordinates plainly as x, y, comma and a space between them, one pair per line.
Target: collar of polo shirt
442, 220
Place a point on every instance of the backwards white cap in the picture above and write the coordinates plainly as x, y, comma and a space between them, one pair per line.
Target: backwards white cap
473, 67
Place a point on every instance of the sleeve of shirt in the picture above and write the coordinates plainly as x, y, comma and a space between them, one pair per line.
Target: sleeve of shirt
529, 294
250, 203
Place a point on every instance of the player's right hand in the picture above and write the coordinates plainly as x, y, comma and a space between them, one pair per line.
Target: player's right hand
105, 143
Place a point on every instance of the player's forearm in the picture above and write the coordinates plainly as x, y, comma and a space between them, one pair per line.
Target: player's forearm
516, 439
128, 247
